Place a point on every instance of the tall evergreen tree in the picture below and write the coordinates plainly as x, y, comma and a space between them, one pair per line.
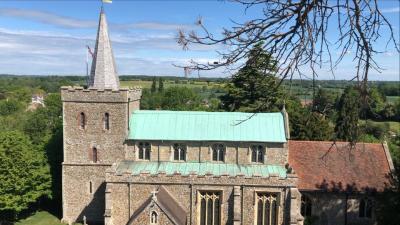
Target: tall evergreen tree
154, 85
160, 85
348, 113
323, 102
253, 88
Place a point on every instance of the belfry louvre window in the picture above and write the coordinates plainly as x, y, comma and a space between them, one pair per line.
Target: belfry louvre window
82, 120
257, 154
106, 121
179, 152
306, 206
365, 208
210, 206
218, 152
266, 209
144, 150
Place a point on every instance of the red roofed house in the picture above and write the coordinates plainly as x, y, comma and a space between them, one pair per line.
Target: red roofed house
338, 182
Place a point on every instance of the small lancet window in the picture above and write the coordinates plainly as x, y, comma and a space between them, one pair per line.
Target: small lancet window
306, 206
106, 121
365, 208
218, 152
257, 154
153, 218
82, 120
94, 154
144, 150
179, 152
90, 187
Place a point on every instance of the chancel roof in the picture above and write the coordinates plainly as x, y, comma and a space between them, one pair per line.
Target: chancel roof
328, 166
206, 126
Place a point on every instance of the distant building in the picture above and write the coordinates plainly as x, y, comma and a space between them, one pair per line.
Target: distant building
36, 102
126, 166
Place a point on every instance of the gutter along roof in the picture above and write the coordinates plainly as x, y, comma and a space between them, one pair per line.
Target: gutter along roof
200, 169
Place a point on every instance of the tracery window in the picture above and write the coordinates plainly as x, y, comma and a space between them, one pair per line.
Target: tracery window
106, 121
306, 206
218, 152
179, 152
82, 120
210, 204
153, 218
257, 154
144, 150
267, 209
365, 208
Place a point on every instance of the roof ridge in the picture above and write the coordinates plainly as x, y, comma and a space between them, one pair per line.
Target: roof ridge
206, 112
368, 143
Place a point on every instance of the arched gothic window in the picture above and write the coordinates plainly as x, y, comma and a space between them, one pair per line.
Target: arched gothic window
306, 206
179, 152
365, 208
218, 152
267, 209
257, 154
144, 150
94, 154
106, 121
210, 207
153, 217
82, 120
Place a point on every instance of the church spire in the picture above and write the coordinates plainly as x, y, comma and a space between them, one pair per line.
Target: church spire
104, 72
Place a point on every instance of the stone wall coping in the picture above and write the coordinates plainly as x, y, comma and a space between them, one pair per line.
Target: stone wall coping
113, 172
80, 88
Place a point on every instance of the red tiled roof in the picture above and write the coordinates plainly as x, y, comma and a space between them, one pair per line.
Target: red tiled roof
324, 166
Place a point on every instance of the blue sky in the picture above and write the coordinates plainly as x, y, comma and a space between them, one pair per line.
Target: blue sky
49, 37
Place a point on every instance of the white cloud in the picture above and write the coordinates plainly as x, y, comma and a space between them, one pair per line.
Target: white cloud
70, 22
391, 10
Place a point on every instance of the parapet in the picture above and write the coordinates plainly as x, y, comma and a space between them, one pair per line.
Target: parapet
79, 94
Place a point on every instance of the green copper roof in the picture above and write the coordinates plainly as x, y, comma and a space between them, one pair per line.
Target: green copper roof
200, 169
206, 126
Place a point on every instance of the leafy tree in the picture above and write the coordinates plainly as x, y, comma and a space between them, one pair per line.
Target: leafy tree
154, 85
181, 98
160, 85
305, 124
40, 123
323, 102
375, 104
11, 106
24, 174
253, 88
348, 114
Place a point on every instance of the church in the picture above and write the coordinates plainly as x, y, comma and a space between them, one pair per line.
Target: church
126, 166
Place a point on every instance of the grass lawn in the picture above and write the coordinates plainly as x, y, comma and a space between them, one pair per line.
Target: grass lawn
393, 125
41, 218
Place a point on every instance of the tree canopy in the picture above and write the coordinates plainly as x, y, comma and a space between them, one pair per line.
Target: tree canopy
24, 174
253, 88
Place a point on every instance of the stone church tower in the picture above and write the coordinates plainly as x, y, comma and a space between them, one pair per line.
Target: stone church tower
95, 124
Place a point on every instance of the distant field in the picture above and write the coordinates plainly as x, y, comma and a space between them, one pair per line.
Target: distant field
393, 125
41, 218
392, 99
170, 83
